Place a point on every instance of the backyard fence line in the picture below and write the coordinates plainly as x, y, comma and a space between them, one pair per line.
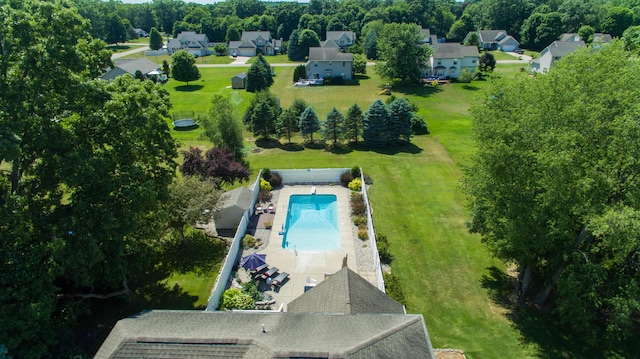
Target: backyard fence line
156, 52
234, 251
372, 236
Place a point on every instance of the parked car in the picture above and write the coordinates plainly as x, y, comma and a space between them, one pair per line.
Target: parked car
519, 51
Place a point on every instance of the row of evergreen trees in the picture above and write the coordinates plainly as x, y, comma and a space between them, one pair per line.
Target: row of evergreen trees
381, 125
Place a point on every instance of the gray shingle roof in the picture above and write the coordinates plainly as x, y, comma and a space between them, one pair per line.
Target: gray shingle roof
240, 196
253, 35
131, 66
345, 293
563, 48
491, 35
598, 37
370, 333
453, 50
336, 35
328, 54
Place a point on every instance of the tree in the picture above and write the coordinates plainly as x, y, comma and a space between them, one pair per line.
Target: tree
617, 20
166, 68
465, 76
308, 38
267, 68
220, 49
586, 34
333, 127
487, 62
273, 103
233, 33
300, 72
401, 55
257, 78
287, 124
116, 31
376, 125
67, 164
222, 127
553, 188
183, 66
359, 64
460, 28
400, 115
472, 40
191, 199
138, 75
155, 39
309, 123
631, 38
219, 165
577, 13
294, 52
371, 46
353, 123
549, 29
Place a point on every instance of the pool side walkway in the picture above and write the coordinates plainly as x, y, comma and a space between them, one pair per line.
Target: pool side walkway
300, 264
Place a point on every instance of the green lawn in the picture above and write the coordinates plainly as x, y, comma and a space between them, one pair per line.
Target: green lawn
211, 59
446, 273
276, 59
500, 55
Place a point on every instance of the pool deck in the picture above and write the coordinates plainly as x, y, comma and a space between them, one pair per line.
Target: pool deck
300, 264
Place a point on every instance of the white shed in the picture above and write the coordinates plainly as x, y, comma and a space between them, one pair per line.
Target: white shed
234, 204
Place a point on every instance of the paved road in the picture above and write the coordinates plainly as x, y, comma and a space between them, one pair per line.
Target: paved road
140, 48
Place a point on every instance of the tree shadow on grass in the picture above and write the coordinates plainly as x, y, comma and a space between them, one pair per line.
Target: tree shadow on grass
415, 89
292, 147
470, 87
188, 88
388, 150
267, 142
543, 330
197, 254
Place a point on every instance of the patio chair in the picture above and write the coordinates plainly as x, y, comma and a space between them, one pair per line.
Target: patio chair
256, 272
269, 273
270, 208
277, 281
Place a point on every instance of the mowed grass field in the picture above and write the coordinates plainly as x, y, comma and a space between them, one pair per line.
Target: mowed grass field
416, 200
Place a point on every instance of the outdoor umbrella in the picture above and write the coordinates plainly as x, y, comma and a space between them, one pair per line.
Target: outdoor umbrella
253, 261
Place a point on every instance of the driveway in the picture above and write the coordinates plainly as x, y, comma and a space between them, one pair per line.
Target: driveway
139, 48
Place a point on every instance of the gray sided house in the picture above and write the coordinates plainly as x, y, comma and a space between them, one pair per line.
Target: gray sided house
234, 204
340, 39
450, 59
344, 316
427, 38
496, 40
325, 62
599, 39
253, 42
239, 81
149, 69
196, 44
553, 53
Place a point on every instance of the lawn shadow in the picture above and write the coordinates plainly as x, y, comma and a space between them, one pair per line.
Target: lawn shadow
315, 145
185, 128
292, 147
268, 142
543, 330
188, 88
197, 253
118, 47
415, 89
389, 150
340, 149
470, 87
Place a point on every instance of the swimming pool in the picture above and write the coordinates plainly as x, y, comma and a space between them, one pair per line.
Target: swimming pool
312, 223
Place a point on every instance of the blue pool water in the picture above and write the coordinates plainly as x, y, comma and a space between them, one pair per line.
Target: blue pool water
312, 223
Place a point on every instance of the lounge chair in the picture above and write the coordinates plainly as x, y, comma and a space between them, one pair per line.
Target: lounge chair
269, 273
277, 281
259, 270
270, 208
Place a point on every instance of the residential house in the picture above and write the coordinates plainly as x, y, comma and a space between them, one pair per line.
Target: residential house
427, 38
450, 59
140, 32
197, 44
253, 42
343, 316
148, 68
599, 39
340, 39
553, 53
496, 40
327, 62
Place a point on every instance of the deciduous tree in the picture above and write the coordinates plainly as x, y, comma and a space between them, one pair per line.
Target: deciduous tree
400, 54
221, 125
308, 38
183, 66
359, 64
155, 39
487, 62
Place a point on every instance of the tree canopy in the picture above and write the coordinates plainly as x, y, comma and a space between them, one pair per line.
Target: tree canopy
309, 123
222, 126
554, 187
400, 54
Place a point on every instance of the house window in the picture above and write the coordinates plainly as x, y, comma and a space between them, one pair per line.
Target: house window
315, 64
344, 64
455, 62
473, 61
439, 62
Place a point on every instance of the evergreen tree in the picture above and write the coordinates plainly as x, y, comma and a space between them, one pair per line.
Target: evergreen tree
359, 64
308, 38
333, 127
376, 125
166, 68
309, 123
155, 39
371, 46
353, 123
472, 40
487, 62
257, 78
261, 96
267, 67
183, 66
262, 120
300, 72
294, 53
400, 115
287, 124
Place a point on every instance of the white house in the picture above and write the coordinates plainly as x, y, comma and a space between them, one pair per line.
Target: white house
327, 62
253, 41
450, 59
197, 44
495, 40
427, 38
553, 53
599, 39
340, 39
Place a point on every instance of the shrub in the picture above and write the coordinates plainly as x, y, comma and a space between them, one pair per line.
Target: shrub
418, 125
465, 76
266, 173
355, 185
248, 241
267, 225
358, 207
367, 179
383, 248
355, 171
251, 289
363, 234
335, 80
275, 180
393, 288
345, 178
264, 196
233, 298
265, 185
358, 220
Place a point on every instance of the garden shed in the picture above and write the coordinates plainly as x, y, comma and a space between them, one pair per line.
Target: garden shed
239, 81
234, 204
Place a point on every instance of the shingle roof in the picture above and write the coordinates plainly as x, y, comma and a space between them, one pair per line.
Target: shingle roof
329, 43
336, 35
256, 334
253, 35
508, 39
562, 48
490, 35
598, 37
131, 66
453, 50
240, 196
328, 54
345, 293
